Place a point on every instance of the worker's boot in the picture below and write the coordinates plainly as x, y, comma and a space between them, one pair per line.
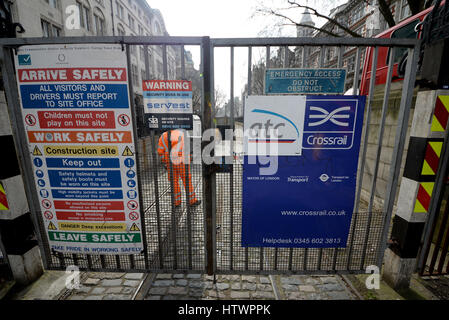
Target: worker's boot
195, 203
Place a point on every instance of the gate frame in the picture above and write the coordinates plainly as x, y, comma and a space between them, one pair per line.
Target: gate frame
207, 46
413, 46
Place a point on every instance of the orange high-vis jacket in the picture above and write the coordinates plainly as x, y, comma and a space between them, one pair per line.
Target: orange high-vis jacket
177, 143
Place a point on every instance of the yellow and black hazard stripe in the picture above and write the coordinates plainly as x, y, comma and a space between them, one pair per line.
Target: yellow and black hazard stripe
421, 166
423, 158
432, 155
440, 114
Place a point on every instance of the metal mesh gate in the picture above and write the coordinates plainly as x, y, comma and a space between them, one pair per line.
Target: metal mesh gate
207, 238
370, 223
173, 237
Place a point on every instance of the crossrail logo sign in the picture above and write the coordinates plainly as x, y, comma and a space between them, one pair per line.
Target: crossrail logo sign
330, 124
318, 139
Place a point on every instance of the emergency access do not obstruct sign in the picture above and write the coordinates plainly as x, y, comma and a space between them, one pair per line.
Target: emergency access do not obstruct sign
77, 117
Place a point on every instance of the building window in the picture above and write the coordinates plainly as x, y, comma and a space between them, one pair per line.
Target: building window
45, 28
84, 15
99, 23
350, 63
120, 10
157, 29
56, 32
131, 22
358, 13
135, 75
120, 30
160, 68
140, 30
142, 53
142, 72
405, 10
49, 30
53, 3
132, 49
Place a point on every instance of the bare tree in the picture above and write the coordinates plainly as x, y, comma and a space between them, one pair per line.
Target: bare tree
383, 5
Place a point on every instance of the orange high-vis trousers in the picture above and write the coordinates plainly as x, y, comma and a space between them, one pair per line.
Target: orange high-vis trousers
179, 171
178, 167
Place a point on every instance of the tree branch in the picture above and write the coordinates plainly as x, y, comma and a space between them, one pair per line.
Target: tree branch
384, 9
316, 13
280, 15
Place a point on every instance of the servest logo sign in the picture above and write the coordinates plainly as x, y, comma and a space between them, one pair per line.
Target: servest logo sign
273, 125
330, 124
167, 96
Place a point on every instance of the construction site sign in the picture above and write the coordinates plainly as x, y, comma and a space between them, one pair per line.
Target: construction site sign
76, 110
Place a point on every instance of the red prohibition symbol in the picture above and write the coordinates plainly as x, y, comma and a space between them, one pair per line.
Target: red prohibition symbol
30, 120
48, 215
46, 204
133, 215
123, 120
132, 205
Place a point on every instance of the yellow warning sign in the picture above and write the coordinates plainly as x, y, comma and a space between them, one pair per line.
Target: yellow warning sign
79, 226
127, 152
36, 151
134, 227
81, 151
51, 226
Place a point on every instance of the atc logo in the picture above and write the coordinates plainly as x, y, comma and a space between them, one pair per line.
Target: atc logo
330, 123
273, 125
273, 130
24, 59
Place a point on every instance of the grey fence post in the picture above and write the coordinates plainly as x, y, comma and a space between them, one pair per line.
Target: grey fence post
208, 169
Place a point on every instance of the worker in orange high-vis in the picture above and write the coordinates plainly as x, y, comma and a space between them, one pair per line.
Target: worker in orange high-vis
179, 163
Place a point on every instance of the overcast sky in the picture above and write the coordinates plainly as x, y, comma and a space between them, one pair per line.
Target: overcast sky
215, 18
229, 19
